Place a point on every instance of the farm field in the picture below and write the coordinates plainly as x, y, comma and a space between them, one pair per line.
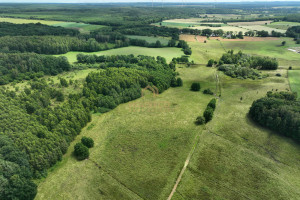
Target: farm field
262, 28
83, 28
235, 26
163, 41
294, 80
168, 52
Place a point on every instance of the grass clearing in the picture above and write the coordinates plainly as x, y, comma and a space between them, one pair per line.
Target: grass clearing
163, 41
167, 52
294, 79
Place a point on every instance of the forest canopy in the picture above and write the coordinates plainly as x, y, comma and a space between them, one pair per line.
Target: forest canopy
33, 29
278, 111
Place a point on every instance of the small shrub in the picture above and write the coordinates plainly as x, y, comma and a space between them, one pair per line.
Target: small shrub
278, 74
210, 63
195, 87
87, 141
200, 120
81, 152
179, 82
208, 91
290, 67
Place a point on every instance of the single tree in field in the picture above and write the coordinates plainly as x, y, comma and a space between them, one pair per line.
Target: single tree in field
210, 63
81, 152
195, 87
283, 43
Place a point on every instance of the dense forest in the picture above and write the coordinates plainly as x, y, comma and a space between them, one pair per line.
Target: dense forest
278, 111
33, 29
20, 66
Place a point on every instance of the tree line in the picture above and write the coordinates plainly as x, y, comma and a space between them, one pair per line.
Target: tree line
278, 111
49, 44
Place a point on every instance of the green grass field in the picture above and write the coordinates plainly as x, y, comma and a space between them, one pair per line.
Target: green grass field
294, 79
83, 28
202, 52
163, 41
141, 146
168, 52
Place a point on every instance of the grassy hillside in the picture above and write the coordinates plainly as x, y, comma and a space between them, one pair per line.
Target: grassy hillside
235, 158
294, 79
140, 147
163, 41
168, 53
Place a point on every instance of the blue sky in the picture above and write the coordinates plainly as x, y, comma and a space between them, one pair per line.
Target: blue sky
108, 1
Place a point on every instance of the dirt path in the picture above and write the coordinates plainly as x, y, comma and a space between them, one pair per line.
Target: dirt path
185, 166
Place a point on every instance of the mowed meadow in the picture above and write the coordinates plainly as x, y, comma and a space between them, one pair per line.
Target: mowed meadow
141, 146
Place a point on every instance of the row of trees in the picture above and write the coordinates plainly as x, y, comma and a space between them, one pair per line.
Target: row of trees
49, 44
20, 66
280, 112
9, 29
208, 113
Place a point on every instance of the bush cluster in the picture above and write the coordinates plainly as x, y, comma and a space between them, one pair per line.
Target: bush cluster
81, 149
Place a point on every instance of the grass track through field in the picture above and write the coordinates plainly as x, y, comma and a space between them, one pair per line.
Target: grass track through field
186, 163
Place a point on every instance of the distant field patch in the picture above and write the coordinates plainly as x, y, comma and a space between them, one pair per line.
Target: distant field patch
224, 28
82, 27
163, 41
283, 25
294, 79
261, 28
27, 21
168, 52
249, 23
